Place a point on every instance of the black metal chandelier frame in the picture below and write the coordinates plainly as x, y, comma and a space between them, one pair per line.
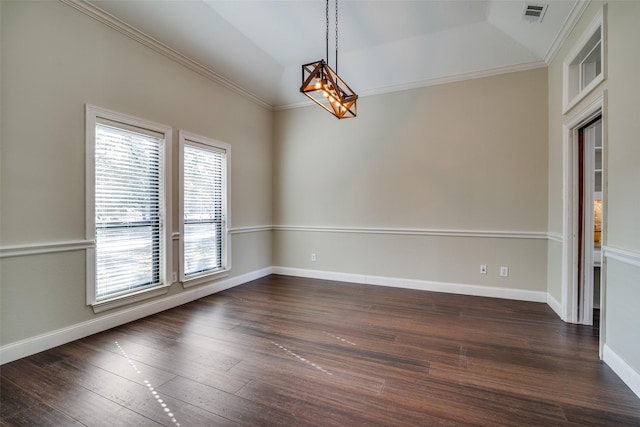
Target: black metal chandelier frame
323, 85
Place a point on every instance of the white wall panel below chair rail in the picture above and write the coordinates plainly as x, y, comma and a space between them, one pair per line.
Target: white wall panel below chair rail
50, 339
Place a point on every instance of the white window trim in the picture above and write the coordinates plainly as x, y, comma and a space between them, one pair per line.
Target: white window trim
188, 138
92, 116
568, 100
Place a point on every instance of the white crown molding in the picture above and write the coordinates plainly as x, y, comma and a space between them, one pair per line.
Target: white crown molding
422, 285
626, 373
29, 346
434, 82
574, 16
137, 35
622, 255
454, 78
418, 232
129, 31
45, 248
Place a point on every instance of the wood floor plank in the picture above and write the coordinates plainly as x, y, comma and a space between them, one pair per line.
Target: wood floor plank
290, 351
226, 405
16, 402
598, 417
493, 408
38, 384
147, 349
118, 364
213, 373
317, 405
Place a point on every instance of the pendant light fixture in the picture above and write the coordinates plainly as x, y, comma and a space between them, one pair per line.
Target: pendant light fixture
323, 85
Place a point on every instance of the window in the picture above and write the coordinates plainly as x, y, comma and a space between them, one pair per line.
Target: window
203, 208
590, 61
127, 208
585, 66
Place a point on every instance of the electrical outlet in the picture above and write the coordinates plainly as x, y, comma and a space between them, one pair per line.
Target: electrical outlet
174, 277
504, 271
483, 269
314, 258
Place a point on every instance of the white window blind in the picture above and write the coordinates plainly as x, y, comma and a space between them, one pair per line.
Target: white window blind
203, 210
128, 210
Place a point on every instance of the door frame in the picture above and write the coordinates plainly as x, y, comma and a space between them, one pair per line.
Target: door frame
570, 249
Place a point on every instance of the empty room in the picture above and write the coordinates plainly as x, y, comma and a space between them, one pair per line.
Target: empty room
319, 213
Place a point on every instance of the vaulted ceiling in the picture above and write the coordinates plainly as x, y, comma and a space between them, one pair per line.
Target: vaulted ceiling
258, 46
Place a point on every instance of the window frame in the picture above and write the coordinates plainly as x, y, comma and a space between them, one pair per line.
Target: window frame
95, 115
186, 138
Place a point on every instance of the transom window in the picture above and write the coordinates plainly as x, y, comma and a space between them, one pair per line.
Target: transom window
585, 66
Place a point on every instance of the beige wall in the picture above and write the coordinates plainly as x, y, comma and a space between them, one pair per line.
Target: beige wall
622, 125
468, 156
556, 120
555, 179
623, 207
54, 60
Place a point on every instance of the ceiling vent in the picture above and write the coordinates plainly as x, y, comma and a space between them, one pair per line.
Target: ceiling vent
534, 12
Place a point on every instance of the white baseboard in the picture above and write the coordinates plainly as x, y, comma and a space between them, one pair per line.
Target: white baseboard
58, 337
555, 305
626, 373
423, 285
29, 346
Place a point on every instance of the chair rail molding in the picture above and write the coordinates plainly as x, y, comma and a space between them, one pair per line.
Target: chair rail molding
45, 248
540, 235
622, 255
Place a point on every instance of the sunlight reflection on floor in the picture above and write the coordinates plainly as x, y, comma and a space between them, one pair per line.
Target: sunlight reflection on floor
155, 394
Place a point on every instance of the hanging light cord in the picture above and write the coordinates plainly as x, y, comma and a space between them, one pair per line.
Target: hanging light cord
327, 38
336, 36
327, 42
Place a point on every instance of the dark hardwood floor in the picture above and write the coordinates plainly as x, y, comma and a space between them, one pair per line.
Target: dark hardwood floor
285, 351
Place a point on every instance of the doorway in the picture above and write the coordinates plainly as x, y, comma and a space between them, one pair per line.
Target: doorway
583, 284
589, 218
